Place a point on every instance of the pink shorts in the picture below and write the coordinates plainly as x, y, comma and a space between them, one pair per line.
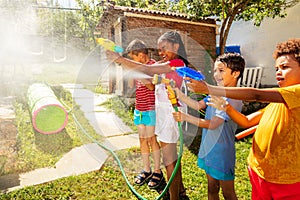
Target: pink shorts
264, 190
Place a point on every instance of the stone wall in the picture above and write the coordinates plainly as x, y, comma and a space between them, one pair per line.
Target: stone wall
199, 40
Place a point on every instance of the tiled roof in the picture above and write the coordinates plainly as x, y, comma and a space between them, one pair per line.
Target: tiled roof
111, 9
141, 10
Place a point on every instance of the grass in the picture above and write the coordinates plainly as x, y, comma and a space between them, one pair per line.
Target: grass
34, 152
107, 182
117, 105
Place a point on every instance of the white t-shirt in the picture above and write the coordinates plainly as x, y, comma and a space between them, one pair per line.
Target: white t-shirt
166, 127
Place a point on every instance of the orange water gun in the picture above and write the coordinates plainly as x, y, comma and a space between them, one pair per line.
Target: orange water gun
246, 132
170, 84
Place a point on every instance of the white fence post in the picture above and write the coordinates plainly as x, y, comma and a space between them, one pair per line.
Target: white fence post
251, 77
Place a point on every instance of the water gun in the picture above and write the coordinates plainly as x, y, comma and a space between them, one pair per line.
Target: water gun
109, 45
158, 80
183, 71
170, 84
188, 72
246, 132
172, 97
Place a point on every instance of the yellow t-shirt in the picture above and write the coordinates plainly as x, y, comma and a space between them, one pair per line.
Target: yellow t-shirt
275, 152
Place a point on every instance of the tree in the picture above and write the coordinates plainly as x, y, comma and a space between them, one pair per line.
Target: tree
151, 5
227, 11
91, 13
224, 11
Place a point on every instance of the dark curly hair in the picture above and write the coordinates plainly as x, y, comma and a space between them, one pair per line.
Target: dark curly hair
292, 46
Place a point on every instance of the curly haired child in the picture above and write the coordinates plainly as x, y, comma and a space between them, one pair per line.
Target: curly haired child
274, 158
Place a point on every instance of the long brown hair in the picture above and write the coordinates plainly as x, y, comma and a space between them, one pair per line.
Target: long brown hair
175, 38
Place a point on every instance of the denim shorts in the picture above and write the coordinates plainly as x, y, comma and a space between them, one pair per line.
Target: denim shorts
148, 118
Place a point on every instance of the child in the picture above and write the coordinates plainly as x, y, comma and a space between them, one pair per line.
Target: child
274, 158
171, 49
144, 117
170, 46
217, 151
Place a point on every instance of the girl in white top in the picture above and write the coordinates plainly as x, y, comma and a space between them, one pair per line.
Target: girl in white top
170, 49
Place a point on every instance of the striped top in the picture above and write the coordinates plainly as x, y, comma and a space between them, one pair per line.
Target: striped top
145, 98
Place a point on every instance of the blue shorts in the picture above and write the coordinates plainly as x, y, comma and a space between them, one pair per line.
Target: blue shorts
216, 174
148, 118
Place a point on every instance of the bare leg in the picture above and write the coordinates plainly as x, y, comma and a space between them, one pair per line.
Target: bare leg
213, 188
170, 158
145, 153
228, 190
144, 146
156, 152
157, 177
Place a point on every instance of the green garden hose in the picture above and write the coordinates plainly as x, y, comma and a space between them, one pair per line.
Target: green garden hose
122, 169
173, 100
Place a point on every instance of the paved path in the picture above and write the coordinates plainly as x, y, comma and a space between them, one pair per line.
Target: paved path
87, 158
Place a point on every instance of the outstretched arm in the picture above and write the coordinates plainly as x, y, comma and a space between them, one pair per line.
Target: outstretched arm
147, 83
150, 70
239, 118
241, 93
196, 105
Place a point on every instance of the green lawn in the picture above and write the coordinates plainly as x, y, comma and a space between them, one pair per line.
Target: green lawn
108, 182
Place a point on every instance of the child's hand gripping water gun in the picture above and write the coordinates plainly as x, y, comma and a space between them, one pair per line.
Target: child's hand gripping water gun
183, 71
170, 84
188, 72
109, 45
193, 74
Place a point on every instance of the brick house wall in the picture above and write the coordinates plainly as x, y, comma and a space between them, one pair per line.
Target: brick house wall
123, 24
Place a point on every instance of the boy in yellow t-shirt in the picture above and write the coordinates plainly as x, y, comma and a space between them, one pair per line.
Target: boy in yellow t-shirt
274, 159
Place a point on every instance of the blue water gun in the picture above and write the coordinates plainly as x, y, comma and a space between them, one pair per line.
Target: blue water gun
188, 72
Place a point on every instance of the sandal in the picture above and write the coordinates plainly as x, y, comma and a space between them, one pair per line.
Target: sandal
157, 179
142, 177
